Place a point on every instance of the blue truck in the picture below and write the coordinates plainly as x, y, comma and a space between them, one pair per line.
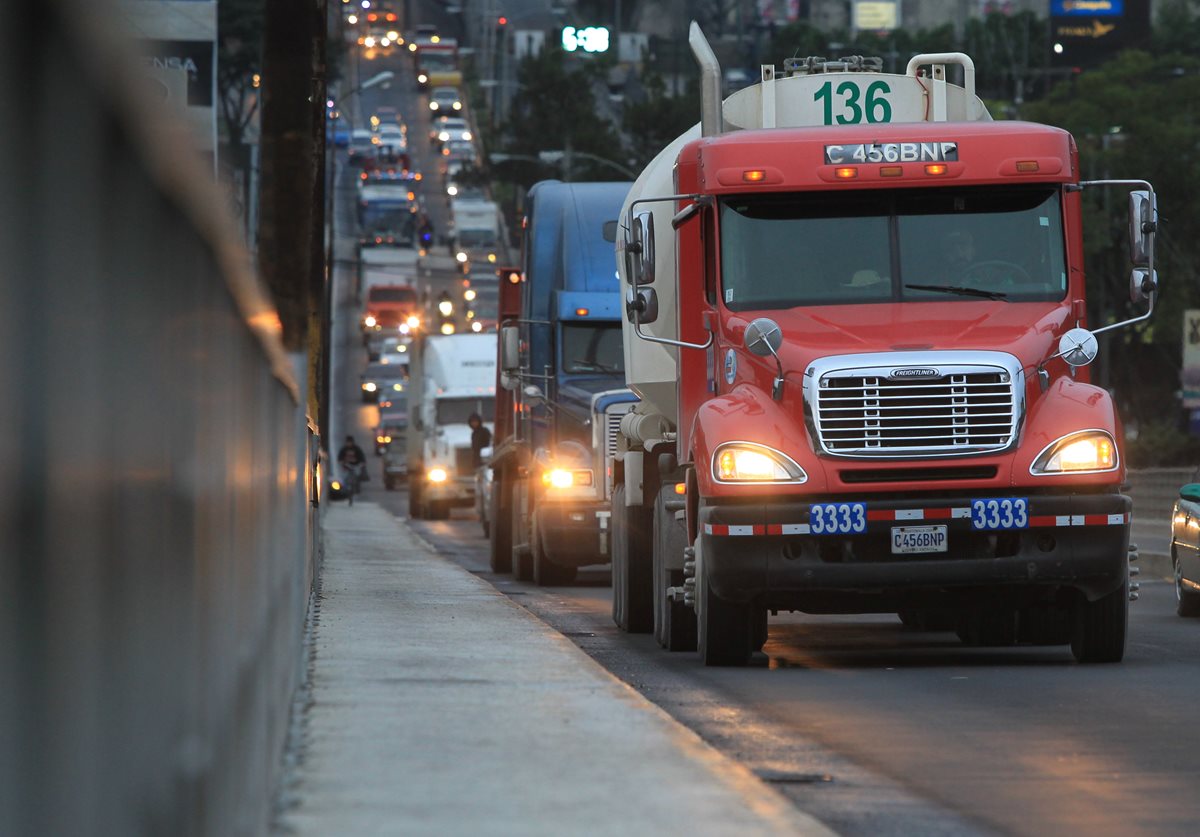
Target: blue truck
559, 356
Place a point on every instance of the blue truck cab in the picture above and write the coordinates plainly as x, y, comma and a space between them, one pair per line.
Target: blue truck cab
570, 351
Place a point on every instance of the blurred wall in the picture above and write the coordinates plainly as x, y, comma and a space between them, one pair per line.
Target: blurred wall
156, 530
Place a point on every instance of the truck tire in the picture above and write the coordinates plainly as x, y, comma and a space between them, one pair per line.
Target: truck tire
500, 545
727, 633
674, 622
1187, 603
414, 500
545, 572
522, 556
1099, 631
632, 569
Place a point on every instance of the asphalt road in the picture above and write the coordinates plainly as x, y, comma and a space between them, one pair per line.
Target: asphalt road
875, 729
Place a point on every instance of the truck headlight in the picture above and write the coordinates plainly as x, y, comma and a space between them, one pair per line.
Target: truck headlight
1081, 452
750, 462
369, 322
437, 474
562, 478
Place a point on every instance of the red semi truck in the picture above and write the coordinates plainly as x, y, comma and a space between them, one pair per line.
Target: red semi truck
857, 322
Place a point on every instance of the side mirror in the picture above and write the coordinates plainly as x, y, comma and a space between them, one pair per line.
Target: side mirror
643, 224
510, 349
1191, 492
1078, 347
1143, 222
641, 305
763, 337
1142, 284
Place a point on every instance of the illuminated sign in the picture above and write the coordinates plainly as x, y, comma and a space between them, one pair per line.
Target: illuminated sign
878, 15
588, 39
1087, 8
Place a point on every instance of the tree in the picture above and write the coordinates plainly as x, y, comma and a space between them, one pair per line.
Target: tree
1137, 116
556, 108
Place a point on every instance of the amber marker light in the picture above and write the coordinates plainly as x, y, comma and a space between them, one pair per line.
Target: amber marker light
581, 312
845, 173
891, 171
1027, 166
754, 175
936, 168
680, 488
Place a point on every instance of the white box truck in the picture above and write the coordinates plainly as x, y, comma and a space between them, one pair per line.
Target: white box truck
453, 377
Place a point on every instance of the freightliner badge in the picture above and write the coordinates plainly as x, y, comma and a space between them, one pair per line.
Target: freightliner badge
891, 152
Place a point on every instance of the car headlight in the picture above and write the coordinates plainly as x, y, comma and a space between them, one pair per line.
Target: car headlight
1081, 452
369, 386
477, 326
413, 322
444, 136
422, 78
433, 105
466, 135
458, 105
437, 474
460, 257
750, 462
369, 322
562, 478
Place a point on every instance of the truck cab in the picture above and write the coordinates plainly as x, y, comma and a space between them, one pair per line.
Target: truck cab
454, 379
868, 367
563, 350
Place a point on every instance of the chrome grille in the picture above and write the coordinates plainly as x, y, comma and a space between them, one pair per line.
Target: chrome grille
612, 426
963, 411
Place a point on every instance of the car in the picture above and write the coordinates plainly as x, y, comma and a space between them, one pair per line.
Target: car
387, 433
446, 128
362, 144
395, 348
373, 380
393, 134
459, 150
445, 100
1185, 550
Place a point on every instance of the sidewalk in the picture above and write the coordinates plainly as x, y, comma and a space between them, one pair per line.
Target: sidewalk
439, 706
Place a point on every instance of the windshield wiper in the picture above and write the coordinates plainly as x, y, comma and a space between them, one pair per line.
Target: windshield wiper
594, 366
960, 290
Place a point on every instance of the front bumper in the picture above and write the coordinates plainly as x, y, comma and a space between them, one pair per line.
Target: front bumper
768, 553
574, 533
454, 492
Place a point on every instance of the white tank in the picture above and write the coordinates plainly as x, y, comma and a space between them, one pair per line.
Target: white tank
792, 102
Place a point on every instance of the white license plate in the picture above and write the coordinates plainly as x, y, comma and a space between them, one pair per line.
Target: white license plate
910, 539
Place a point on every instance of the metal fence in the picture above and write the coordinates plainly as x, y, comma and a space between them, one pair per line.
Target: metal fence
156, 534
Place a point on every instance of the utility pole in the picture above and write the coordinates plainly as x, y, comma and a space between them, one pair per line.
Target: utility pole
291, 208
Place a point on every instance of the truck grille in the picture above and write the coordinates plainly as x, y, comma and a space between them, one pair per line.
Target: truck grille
612, 425
964, 411
464, 462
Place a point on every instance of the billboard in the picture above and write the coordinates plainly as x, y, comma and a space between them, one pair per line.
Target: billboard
1084, 33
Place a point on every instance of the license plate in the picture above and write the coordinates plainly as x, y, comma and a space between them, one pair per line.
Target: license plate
909, 539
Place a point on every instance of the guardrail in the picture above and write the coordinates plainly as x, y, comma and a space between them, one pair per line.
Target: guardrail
156, 531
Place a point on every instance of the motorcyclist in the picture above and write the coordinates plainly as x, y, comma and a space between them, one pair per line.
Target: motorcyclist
351, 457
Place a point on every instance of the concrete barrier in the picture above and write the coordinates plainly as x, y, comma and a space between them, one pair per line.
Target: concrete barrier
156, 534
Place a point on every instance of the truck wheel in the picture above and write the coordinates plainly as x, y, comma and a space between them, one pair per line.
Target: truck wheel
1099, 633
632, 572
500, 547
674, 622
414, 500
1187, 604
726, 631
545, 572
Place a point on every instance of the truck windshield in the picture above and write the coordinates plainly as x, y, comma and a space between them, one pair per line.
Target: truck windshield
782, 251
592, 347
459, 410
397, 220
477, 238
